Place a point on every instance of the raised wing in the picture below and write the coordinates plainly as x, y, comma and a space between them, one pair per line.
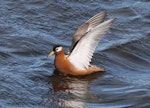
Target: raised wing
81, 55
86, 27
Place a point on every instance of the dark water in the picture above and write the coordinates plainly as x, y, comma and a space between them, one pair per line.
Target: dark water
29, 28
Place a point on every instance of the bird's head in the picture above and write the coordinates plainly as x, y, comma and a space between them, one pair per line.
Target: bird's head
56, 50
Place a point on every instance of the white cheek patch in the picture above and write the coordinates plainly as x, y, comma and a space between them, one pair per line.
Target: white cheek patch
59, 49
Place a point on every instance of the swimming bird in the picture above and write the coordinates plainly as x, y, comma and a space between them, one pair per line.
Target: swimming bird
84, 42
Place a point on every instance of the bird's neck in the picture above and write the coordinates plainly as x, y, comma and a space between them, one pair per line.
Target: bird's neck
60, 58
60, 55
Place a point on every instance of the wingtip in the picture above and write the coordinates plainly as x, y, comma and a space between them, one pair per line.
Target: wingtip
104, 12
112, 20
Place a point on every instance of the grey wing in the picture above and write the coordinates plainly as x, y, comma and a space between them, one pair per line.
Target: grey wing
81, 55
86, 27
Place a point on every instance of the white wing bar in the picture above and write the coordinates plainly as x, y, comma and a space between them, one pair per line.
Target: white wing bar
81, 55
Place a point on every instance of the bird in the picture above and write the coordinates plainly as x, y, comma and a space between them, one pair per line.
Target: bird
85, 39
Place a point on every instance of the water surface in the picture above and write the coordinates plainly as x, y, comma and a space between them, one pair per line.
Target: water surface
29, 29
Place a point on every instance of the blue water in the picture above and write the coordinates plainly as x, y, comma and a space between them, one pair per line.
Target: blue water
28, 31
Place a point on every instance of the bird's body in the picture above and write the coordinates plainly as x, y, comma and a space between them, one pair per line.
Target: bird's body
82, 48
63, 65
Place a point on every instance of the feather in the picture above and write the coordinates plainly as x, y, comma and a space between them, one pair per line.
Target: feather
81, 55
86, 27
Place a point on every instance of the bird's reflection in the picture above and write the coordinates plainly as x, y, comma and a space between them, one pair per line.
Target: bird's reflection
69, 91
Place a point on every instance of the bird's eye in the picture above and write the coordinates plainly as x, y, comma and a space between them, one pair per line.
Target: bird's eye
56, 49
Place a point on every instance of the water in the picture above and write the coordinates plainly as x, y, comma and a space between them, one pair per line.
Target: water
29, 29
